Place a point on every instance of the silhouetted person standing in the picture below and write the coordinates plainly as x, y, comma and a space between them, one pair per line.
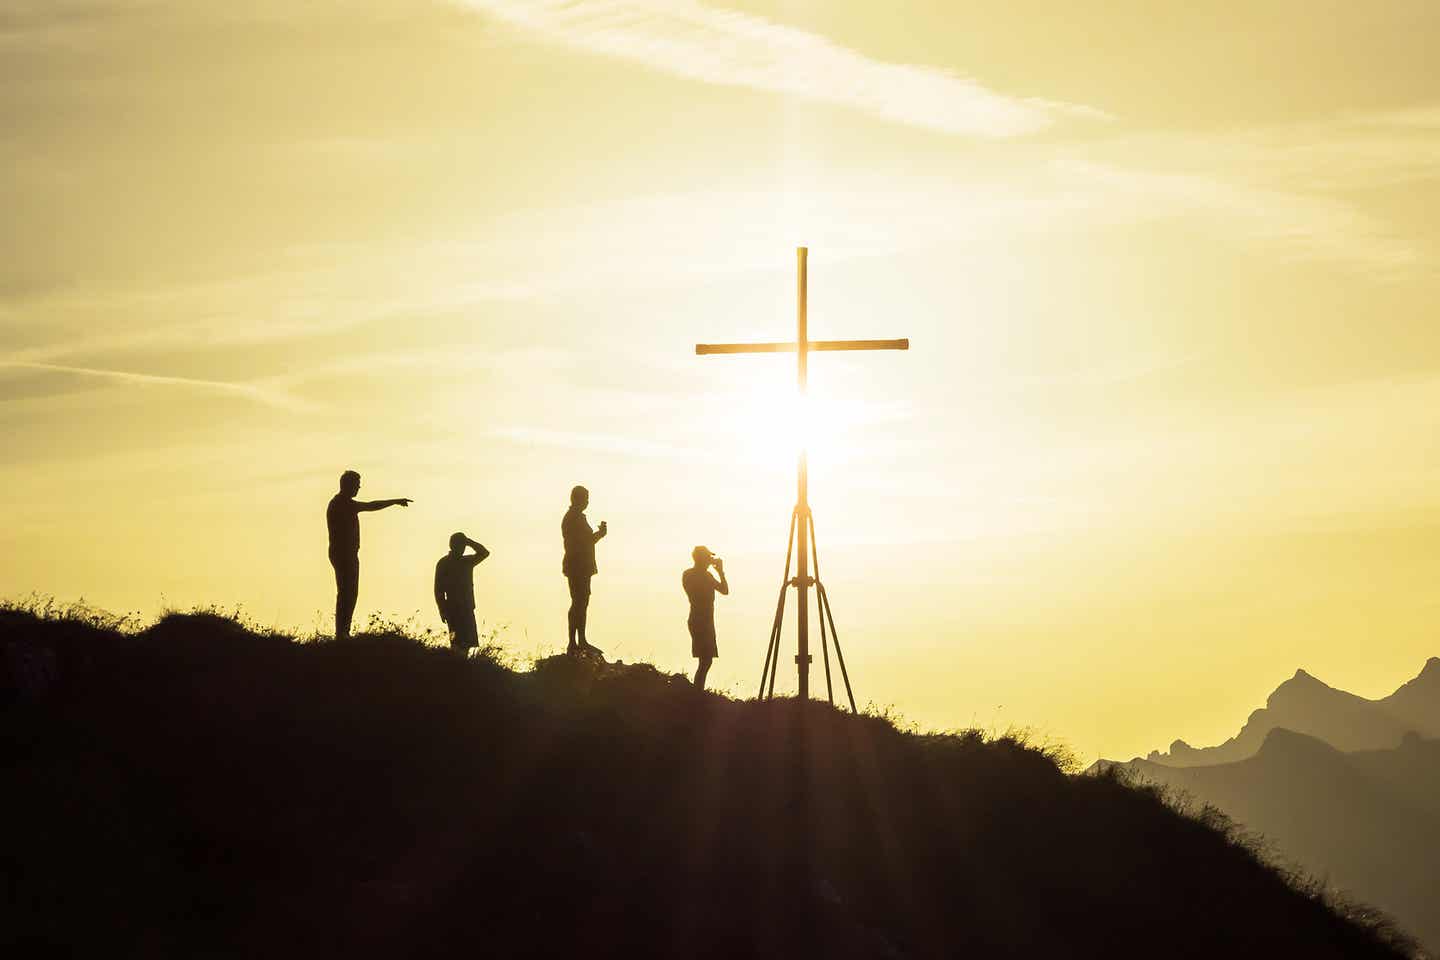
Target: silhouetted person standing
579, 566
701, 588
455, 591
342, 517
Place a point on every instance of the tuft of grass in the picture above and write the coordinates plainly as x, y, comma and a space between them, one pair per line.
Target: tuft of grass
1050, 747
46, 607
387, 630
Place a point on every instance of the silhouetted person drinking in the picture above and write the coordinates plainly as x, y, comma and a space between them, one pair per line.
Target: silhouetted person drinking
342, 517
701, 588
579, 566
455, 591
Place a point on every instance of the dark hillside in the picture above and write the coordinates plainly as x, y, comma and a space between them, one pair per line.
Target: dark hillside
198, 789
1367, 821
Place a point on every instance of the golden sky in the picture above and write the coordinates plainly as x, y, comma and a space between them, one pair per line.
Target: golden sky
1166, 431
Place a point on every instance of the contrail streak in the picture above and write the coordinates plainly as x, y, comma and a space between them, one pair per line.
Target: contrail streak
248, 391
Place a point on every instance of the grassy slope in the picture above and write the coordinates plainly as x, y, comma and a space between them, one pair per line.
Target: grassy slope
198, 788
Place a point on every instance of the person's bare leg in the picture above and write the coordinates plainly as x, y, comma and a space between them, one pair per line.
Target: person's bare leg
579, 598
582, 610
347, 590
701, 672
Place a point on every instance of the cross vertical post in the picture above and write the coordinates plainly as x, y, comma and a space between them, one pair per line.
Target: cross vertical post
802, 484
802, 523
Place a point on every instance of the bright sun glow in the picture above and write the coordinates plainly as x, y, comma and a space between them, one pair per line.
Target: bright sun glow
770, 421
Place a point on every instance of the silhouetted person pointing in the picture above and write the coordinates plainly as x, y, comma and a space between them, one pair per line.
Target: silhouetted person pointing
579, 566
701, 588
342, 516
455, 591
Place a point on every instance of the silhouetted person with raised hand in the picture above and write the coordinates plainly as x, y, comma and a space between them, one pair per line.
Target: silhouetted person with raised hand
342, 517
579, 566
701, 588
455, 591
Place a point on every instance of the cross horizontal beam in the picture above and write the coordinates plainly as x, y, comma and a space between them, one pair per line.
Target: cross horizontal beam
705, 348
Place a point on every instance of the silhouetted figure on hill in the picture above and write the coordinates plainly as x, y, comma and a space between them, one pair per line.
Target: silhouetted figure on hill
579, 566
701, 588
455, 591
342, 517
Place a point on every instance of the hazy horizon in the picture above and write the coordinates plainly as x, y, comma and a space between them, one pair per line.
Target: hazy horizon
1165, 433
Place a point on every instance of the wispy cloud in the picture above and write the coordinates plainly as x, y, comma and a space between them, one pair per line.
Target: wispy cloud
247, 391
712, 45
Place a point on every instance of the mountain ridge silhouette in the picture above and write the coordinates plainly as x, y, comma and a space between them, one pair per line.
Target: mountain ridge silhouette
1417, 701
1305, 704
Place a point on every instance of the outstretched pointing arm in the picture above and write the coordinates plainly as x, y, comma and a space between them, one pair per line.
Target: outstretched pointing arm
367, 506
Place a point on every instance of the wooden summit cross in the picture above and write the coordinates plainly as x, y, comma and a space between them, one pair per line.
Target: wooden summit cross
802, 523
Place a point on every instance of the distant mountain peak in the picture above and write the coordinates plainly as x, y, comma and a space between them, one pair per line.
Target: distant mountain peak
1284, 741
1426, 681
1305, 685
1417, 702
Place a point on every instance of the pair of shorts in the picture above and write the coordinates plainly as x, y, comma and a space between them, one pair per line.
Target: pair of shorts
579, 587
463, 633
702, 639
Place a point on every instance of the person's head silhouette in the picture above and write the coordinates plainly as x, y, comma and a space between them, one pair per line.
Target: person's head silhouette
702, 556
579, 497
349, 483
457, 543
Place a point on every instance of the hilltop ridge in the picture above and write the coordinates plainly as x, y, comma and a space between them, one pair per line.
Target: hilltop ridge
198, 788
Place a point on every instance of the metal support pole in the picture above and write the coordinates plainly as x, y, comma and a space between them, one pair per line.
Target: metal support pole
840, 656
772, 652
820, 613
823, 604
